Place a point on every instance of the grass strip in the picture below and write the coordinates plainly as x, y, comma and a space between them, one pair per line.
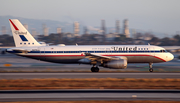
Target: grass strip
90, 83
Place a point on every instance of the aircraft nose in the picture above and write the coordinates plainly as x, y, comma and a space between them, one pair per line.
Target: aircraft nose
170, 57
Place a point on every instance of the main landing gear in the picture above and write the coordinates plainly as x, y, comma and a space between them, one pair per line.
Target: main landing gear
95, 69
150, 67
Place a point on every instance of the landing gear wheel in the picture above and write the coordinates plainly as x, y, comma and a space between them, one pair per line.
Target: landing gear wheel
151, 69
92, 69
95, 69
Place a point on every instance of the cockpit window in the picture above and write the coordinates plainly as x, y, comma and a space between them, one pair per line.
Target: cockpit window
162, 51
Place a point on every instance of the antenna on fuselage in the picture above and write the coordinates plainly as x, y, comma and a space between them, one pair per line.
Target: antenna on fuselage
148, 44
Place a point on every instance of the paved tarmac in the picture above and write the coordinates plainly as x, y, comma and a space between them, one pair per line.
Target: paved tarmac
72, 95
87, 75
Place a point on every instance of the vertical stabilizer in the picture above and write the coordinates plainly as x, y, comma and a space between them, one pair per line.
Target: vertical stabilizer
21, 36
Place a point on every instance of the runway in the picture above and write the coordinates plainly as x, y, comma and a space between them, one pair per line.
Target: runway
72, 95
87, 75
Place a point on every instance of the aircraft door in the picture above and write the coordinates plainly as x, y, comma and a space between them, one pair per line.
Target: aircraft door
151, 49
42, 52
108, 52
152, 52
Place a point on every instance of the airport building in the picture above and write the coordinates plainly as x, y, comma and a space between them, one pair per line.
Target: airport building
76, 28
126, 28
103, 28
117, 27
59, 30
45, 30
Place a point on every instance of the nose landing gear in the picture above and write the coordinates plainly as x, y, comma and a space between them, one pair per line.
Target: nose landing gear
95, 69
150, 67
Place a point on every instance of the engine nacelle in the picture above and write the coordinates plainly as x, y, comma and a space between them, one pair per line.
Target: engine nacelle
117, 64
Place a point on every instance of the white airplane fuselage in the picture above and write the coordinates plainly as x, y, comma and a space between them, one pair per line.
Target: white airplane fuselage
72, 54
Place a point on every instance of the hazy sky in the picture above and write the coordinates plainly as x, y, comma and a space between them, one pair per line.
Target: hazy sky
148, 15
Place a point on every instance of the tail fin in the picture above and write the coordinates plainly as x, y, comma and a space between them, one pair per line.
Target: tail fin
21, 36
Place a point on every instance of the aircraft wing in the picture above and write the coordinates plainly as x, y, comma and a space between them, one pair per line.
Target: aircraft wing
90, 57
98, 57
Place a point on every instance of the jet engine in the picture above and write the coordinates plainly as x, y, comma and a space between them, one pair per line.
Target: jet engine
117, 64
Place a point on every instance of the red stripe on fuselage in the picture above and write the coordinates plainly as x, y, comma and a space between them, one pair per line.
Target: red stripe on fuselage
84, 55
159, 58
13, 25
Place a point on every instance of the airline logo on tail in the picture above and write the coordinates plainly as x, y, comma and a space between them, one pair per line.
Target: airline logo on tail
21, 34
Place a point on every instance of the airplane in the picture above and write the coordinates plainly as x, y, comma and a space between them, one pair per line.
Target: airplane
108, 56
